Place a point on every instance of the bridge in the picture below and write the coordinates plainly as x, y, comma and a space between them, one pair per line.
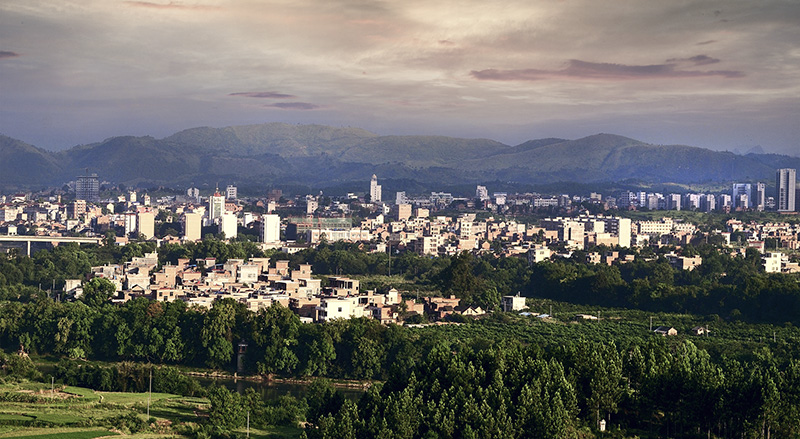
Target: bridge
53, 240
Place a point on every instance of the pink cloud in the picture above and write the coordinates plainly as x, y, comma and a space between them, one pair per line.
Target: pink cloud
577, 69
293, 106
263, 94
171, 5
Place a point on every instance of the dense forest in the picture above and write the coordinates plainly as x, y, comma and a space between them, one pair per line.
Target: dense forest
506, 375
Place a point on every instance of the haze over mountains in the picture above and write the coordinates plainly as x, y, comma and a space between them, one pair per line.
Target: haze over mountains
323, 156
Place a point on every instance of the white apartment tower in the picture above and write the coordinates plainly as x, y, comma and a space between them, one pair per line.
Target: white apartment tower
130, 223
216, 206
270, 228
228, 225
192, 228
374, 190
231, 192
785, 186
481, 193
145, 224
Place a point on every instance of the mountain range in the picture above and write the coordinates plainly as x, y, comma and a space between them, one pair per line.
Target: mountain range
323, 156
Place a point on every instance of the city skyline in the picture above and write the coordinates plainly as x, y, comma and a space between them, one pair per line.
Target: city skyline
719, 75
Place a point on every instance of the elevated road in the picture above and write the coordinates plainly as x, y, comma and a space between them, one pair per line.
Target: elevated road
54, 240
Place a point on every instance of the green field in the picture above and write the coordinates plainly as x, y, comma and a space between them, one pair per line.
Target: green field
58, 433
69, 411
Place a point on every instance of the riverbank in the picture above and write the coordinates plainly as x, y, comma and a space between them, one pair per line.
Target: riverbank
268, 379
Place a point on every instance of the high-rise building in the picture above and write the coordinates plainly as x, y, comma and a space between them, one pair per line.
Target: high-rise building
311, 204
374, 190
216, 206
652, 201
785, 187
146, 224
626, 199
130, 223
759, 200
87, 187
691, 201
400, 198
76, 209
708, 203
193, 193
481, 193
270, 228
231, 192
192, 226
742, 196
228, 225
674, 202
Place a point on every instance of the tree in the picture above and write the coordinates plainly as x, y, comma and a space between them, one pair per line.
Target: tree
227, 411
217, 333
97, 292
274, 334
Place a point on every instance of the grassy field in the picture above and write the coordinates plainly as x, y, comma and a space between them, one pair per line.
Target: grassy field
76, 412
59, 433
79, 413
132, 398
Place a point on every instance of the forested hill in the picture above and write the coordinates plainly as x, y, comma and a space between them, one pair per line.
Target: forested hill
323, 156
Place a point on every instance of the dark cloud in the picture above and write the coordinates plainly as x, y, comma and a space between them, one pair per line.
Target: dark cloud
8, 54
577, 69
263, 94
446, 42
703, 43
170, 5
293, 106
699, 60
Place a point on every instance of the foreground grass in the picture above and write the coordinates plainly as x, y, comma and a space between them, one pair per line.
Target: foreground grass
57, 433
80, 413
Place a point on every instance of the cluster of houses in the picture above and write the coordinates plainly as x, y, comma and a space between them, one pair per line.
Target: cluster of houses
258, 283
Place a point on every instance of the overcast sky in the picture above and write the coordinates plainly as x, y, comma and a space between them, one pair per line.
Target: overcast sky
718, 74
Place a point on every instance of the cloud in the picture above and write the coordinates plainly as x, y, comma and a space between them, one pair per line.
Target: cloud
293, 106
703, 43
171, 5
699, 60
577, 69
263, 94
8, 54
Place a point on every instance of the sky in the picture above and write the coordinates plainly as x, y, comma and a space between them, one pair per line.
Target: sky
723, 75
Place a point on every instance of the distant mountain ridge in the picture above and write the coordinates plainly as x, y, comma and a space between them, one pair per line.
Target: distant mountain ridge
323, 156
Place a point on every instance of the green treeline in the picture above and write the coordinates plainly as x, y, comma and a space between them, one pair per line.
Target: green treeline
655, 389
171, 333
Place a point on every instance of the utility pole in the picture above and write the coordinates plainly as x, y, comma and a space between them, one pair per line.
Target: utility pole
248, 423
389, 243
651, 323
